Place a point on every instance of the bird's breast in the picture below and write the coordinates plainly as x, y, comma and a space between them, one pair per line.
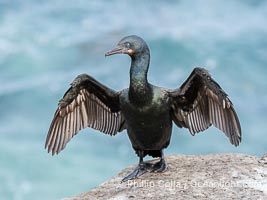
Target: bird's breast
158, 105
148, 126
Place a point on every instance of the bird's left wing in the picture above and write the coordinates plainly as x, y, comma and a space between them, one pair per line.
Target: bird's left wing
201, 102
87, 103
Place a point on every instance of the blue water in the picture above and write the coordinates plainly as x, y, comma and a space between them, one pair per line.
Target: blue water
45, 44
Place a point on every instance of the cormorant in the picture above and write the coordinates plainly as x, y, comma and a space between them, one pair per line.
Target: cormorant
146, 111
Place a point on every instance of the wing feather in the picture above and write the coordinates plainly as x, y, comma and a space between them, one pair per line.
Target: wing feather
83, 105
201, 102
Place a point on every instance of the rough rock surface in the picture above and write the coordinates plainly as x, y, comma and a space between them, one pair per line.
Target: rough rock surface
215, 176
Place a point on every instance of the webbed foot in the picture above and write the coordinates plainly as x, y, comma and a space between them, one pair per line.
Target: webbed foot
160, 166
141, 169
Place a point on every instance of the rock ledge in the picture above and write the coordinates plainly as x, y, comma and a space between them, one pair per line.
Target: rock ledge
215, 176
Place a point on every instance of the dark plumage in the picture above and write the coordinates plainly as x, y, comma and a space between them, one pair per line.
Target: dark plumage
144, 110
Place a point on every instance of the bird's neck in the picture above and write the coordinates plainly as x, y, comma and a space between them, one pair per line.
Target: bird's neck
140, 90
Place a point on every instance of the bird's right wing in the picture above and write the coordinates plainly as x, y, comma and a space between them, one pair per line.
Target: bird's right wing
87, 103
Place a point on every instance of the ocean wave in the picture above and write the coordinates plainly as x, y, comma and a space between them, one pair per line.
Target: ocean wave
64, 24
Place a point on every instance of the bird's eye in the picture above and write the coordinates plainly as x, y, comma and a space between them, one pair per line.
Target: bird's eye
127, 45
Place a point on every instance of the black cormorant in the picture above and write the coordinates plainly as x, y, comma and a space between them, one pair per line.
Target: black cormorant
146, 111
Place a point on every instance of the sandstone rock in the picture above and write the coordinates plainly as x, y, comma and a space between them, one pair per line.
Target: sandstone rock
215, 176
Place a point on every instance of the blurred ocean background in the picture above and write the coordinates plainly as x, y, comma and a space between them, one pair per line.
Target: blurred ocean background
45, 44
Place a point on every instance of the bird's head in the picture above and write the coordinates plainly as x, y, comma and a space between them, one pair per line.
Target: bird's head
131, 45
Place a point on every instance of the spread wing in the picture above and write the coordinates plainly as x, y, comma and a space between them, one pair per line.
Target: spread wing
200, 102
87, 103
